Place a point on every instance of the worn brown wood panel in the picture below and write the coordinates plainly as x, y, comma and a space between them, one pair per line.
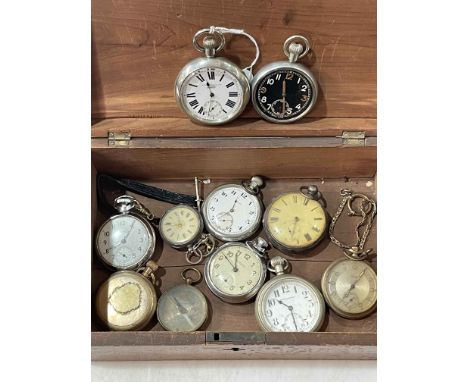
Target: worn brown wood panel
245, 127
139, 46
146, 346
214, 162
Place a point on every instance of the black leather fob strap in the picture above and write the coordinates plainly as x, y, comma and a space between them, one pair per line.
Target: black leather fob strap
119, 186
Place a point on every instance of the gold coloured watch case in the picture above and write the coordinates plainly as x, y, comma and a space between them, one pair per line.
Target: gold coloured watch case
309, 196
341, 304
127, 299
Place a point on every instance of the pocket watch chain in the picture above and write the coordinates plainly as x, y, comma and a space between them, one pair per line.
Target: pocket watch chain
367, 210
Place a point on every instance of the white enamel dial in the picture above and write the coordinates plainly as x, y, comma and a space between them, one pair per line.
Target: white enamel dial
290, 304
124, 241
211, 94
180, 225
234, 270
231, 213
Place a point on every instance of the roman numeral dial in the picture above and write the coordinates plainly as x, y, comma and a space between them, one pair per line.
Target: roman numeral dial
211, 95
295, 222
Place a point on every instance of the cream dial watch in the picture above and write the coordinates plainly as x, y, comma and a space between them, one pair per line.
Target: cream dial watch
296, 221
236, 271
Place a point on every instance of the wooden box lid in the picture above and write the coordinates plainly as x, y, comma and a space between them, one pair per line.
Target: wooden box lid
139, 48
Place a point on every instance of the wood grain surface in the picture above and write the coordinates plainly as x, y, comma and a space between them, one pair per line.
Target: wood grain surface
218, 160
139, 46
245, 127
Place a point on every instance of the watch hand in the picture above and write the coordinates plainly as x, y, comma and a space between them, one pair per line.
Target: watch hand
294, 319
232, 208
180, 307
233, 267
284, 95
353, 285
296, 219
235, 262
124, 240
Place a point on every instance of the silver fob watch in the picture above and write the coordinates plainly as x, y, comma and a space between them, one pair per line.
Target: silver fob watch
233, 212
288, 303
211, 90
127, 240
235, 272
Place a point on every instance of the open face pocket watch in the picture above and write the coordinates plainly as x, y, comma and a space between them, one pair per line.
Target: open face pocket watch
127, 299
183, 308
126, 240
236, 271
288, 303
296, 221
349, 285
233, 212
285, 91
211, 90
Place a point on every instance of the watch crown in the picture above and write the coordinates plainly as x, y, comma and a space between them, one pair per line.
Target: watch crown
259, 244
278, 265
210, 44
311, 192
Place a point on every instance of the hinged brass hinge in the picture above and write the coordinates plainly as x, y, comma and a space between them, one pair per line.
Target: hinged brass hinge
353, 138
120, 138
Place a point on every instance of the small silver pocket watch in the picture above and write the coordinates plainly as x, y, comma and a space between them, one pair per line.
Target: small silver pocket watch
126, 240
211, 90
288, 303
183, 308
236, 271
233, 212
349, 285
182, 228
285, 91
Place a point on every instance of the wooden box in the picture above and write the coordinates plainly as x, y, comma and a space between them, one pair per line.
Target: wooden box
138, 132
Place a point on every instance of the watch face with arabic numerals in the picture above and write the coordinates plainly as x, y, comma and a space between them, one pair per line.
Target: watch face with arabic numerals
289, 304
235, 272
231, 213
284, 92
350, 288
125, 241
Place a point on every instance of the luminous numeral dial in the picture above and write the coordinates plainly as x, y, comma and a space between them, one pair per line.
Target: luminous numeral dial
211, 94
123, 241
295, 221
284, 94
235, 270
350, 288
232, 213
180, 225
291, 305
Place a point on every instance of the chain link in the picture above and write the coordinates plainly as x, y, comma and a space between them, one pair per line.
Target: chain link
201, 249
367, 210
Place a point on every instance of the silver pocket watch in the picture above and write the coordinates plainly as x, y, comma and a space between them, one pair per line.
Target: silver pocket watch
211, 90
288, 303
126, 240
183, 308
235, 272
285, 91
233, 212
